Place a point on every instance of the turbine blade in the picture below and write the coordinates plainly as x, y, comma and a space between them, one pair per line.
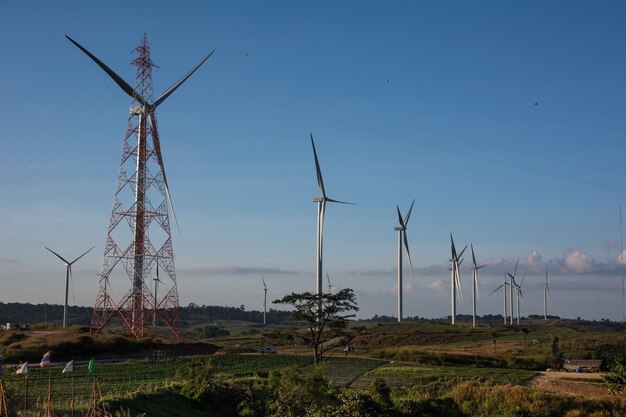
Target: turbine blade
82, 255
515, 270
340, 202
453, 248
320, 180
157, 148
408, 253
408, 215
461, 254
400, 219
457, 281
501, 285
58, 256
473, 256
178, 83
522, 282
118, 80
263, 279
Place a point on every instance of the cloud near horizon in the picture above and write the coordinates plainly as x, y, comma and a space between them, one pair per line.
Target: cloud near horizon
573, 262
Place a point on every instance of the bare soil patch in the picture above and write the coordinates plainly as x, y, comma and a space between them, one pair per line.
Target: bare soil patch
588, 385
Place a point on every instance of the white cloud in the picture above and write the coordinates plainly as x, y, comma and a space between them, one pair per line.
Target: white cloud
575, 260
622, 259
534, 257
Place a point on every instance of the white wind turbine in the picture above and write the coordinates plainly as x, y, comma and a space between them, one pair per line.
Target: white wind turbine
456, 277
519, 292
330, 286
264, 300
475, 269
503, 286
68, 275
511, 285
546, 293
402, 238
321, 209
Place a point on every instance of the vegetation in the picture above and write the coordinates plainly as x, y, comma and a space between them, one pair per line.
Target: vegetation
323, 314
616, 377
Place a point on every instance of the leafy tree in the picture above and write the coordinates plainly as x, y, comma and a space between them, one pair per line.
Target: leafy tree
325, 322
616, 377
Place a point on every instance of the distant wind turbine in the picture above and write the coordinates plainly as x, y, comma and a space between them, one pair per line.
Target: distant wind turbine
321, 209
475, 269
520, 293
503, 286
402, 238
264, 300
546, 293
330, 286
456, 277
68, 275
511, 286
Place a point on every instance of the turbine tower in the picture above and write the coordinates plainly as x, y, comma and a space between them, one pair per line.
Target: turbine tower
456, 277
519, 292
511, 286
68, 275
475, 269
139, 234
402, 238
264, 300
546, 293
321, 209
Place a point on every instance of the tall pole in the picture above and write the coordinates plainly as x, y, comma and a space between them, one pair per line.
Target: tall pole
504, 294
67, 286
453, 292
474, 298
621, 261
518, 293
545, 297
139, 232
265, 307
511, 298
320, 225
399, 230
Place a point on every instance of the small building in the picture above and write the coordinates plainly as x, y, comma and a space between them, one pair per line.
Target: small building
582, 365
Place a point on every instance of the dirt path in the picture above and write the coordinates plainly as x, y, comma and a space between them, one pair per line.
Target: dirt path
588, 385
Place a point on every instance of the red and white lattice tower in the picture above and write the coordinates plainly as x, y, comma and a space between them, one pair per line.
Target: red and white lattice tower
139, 240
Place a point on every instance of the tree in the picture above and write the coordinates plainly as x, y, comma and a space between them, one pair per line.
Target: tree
616, 377
322, 323
494, 339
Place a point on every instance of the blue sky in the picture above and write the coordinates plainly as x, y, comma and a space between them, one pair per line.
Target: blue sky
504, 120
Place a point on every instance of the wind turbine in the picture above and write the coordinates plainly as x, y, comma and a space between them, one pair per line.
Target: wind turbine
512, 277
264, 300
330, 286
138, 256
503, 286
546, 293
518, 289
156, 300
456, 277
321, 209
475, 269
402, 238
68, 275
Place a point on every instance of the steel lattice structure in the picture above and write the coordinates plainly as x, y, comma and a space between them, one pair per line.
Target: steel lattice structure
139, 239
